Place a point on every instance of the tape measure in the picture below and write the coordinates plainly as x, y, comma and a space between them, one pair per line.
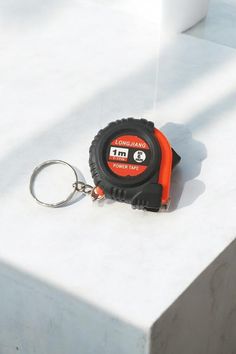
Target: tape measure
131, 161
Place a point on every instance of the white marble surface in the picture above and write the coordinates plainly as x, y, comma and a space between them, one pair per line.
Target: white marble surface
67, 69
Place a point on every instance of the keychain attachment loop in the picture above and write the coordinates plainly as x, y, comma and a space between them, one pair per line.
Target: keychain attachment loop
88, 190
78, 186
83, 187
39, 168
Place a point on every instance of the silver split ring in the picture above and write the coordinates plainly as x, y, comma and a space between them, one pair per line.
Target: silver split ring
38, 169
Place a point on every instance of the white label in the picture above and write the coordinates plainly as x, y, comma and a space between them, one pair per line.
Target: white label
119, 152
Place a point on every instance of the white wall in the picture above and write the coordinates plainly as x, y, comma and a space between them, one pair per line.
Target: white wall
175, 15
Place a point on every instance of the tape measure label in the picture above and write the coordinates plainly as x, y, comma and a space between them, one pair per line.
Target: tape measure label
128, 155
118, 154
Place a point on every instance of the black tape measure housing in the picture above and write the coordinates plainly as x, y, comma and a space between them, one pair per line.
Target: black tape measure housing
125, 160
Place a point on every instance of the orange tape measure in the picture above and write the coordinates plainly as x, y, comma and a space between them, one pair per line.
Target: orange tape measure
131, 161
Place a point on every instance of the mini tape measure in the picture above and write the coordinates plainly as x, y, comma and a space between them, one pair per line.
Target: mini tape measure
130, 161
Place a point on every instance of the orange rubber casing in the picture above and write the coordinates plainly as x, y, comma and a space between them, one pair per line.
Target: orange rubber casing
164, 177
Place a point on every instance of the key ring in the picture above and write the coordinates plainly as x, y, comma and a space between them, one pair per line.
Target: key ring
78, 186
38, 169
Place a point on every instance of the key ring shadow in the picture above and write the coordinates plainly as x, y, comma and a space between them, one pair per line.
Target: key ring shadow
185, 187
